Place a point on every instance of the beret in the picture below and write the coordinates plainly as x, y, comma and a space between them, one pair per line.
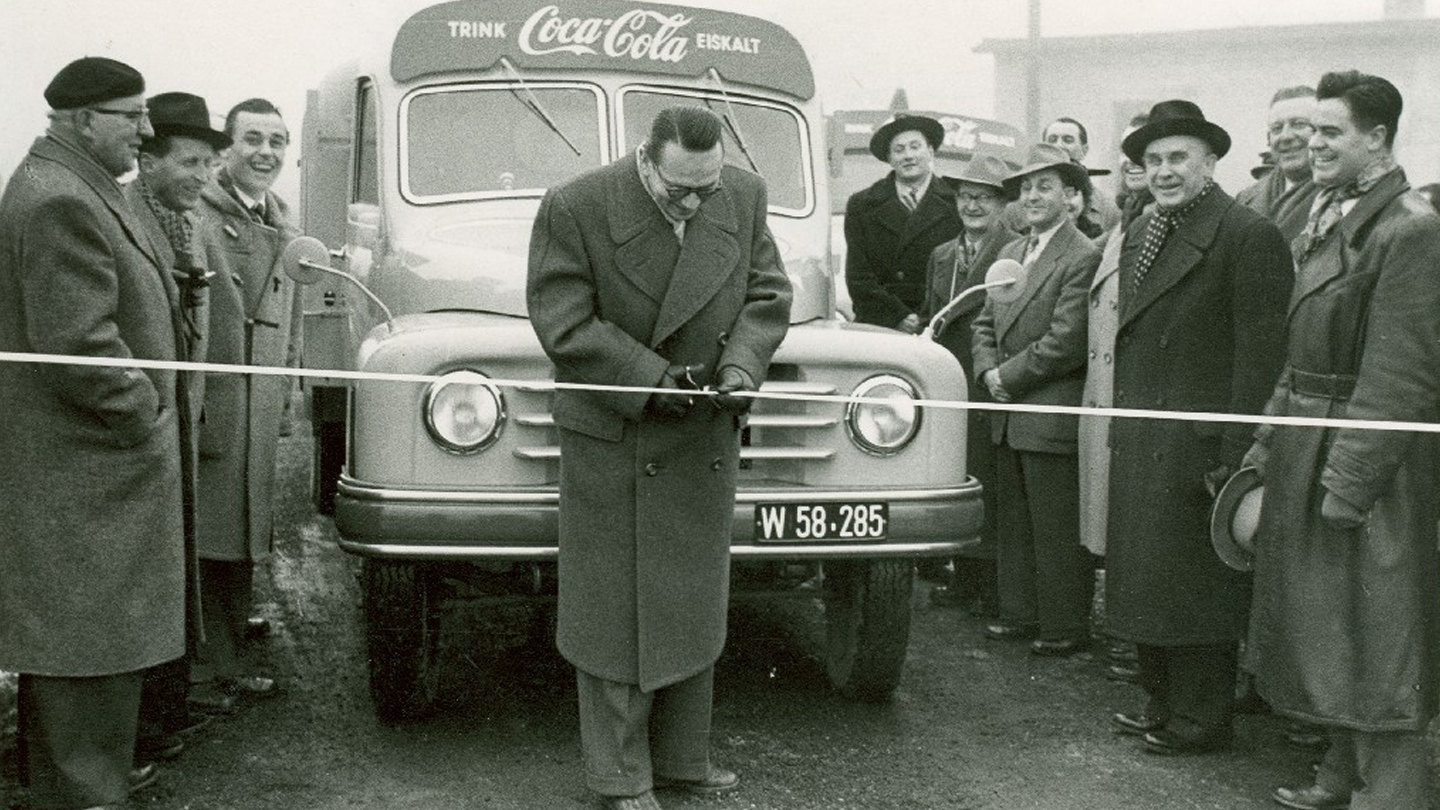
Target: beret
91, 80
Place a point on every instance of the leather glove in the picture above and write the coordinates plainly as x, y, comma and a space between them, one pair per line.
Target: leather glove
679, 378
1216, 478
1340, 513
1258, 456
730, 380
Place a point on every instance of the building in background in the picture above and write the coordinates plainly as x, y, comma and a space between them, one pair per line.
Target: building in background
1231, 73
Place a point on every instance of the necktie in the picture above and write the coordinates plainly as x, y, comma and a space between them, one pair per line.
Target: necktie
1032, 250
257, 212
969, 253
909, 200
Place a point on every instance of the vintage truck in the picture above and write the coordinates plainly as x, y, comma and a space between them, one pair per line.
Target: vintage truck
423, 166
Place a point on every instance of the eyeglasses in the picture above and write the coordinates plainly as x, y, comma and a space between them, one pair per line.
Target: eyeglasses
133, 116
1302, 125
966, 198
677, 192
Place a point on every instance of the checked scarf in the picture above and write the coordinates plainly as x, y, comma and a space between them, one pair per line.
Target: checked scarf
179, 231
1159, 228
1328, 210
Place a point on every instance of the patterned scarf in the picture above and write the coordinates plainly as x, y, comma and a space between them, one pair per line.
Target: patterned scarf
180, 231
1328, 210
1159, 228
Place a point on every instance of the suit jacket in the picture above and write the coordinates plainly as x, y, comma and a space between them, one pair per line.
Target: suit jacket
1038, 342
646, 505
888, 247
947, 276
1288, 209
93, 523
1204, 332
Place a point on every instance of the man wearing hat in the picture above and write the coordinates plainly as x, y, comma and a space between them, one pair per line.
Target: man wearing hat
891, 227
1203, 285
254, 321
1031, 350
1346, 631
1284, 194
956, 266
93, 523
1096, 214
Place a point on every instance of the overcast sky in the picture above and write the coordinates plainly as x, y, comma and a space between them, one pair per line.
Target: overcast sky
861, 49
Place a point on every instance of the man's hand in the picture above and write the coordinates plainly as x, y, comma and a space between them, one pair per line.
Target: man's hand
991, 379
1216, 478
674, 406
730, 380
910, 324
1258, 456
1340, 513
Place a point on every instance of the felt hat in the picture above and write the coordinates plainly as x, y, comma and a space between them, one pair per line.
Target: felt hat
1175, 117
933, 131
1044, 156
1235, 517
92, 80
985, 170
1267, 165
184, 115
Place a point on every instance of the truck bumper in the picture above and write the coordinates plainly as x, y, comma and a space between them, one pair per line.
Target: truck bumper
522, 525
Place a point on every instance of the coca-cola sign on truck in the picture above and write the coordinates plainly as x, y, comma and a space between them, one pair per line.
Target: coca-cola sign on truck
638, 34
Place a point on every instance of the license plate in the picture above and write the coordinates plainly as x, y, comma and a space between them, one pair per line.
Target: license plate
818, 522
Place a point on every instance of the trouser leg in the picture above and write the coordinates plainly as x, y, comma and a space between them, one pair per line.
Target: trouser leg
614, 735
225, 607
1337, 768
1202, 689
1155, 680
1064, 577
79, 738
1015, 550
1393, 770
680, 727
163, 709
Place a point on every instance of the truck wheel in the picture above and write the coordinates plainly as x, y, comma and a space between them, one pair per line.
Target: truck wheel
867, 625
402, 628
329, 458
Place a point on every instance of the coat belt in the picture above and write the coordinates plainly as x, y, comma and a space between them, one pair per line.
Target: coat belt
1330, 386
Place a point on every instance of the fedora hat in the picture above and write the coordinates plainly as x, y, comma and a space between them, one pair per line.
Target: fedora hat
1266, 165
1235, 517
933, 131
186, 116
985, 170
1044, 156
1175, 117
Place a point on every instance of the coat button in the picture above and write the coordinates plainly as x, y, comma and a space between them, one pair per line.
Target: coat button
1164, 342
723, 339
1107, 357
652, 469
715, 465
1092, 354
1095, 304
1114, 305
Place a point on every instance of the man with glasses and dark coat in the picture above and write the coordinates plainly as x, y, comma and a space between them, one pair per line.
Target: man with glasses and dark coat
95, 519
656, 271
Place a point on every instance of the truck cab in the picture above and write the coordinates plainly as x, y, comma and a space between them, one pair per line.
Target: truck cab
424, 165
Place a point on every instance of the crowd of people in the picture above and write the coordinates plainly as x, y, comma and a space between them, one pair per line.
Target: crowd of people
1313, 293
137, 500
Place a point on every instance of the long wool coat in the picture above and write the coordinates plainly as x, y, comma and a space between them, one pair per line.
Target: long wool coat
1288, 208
93, 514
887, 247
251, 311
1093, 438
1347, 623
1206, 332
646, 506
948, 274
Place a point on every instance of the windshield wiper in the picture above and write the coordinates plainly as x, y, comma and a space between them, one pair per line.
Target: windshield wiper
533, 103
731, 123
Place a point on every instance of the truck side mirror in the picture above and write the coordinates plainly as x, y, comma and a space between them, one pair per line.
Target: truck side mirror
305, 259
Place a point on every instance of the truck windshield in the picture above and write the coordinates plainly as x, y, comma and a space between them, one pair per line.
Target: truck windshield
772, 133
471, 142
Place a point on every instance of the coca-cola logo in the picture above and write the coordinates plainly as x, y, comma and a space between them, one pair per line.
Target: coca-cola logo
637, 34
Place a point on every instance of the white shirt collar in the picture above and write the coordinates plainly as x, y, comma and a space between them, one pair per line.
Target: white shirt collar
248, 201
901, 188
1044, 236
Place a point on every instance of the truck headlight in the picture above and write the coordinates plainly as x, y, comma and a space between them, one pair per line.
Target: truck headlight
464, 412
883, 428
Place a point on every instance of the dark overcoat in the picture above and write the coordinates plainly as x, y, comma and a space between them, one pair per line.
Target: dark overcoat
888, 247
949, 275
1288, 208
251, 318
1347, 623
93, 515
646, 505
1205, 332
1038, 342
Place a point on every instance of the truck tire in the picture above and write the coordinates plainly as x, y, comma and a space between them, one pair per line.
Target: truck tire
867, 625
402, 629
329, 459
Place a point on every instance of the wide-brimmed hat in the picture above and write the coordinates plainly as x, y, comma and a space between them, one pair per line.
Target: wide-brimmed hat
985, 170
1175, 117
1266, 165
1235, 517
184, 115
1044, 156
933, 131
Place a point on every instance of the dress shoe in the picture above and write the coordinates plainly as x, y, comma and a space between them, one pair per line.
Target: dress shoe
1000, 631
1121, 652
165, 747
1310, 797
252, 685
1168, 742
1124, 673
143, 777
256, 628
1137, 724
716, 781
1057, 648
645, 801
207, 698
